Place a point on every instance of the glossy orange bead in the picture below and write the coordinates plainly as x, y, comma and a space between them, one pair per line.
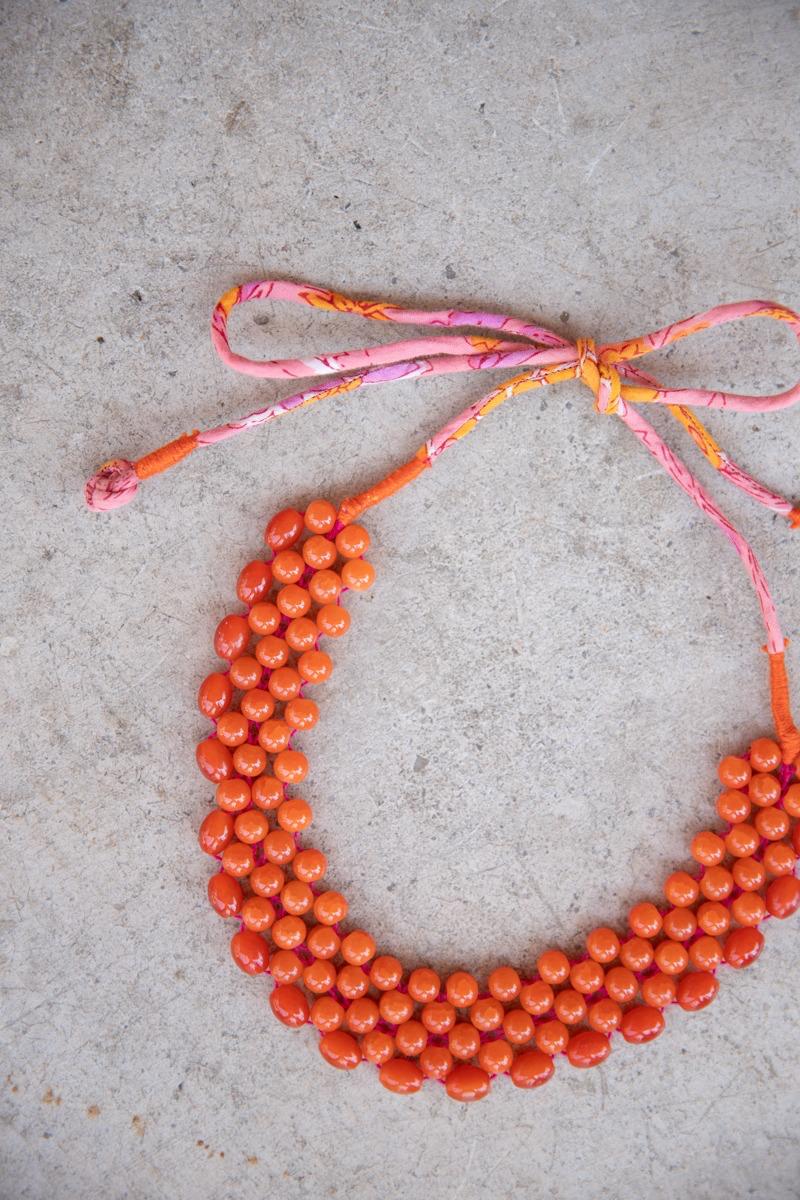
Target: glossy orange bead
637, 953
496, 1057
290, 766
742, 841
315, 666
518, 1026
238, 860
716, 883
352, 982
743, 946
783, 896
225, 895
467, 1083
289, 932
621, 984
602, 944
267, 792
697, 990
553, 966
706, 953
671, 957
748, 874
796, 838
588, 1049
301, 634
411, 1037
323, 942
645, 920
395, 1007
461, 989
531, 1069
400, 1076
294, 815
214, 760
257, 705
301, 713
707, 848
749, 908
340, 1050
251, 826
319, 976
352, 541
289, 1005
333, 620
358, 574
385, 972
570, 1007
604, 1015
285, 966
310, 865
320, 516
764, 790
249, 952
641, 1024
734, 772
681, 889
267, 880
713, 918
779, 859
659, 990
253, 582
362, 1016
285, 683
249, 760
283, 530
791, 800
319, 552
463, 1041
504, 984
215, 832
327, 1014
264, 618
537, 997
274, 735
587, 977
733, 807
215, 695
680, 924
288, 566
436, 1062
293, 600
245, 672
232, 636
765, 755
358, 947
487, 1014
330, 908
771, 823
377, 1046
324, 587
297, 898
551, 1037
279, 847
438, 1016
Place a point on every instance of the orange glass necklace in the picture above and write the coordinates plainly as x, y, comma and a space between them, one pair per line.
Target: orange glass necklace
413, 1024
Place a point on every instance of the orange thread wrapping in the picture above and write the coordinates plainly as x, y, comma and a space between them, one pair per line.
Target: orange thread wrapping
779, 689
352, 508
166, 456
794, 518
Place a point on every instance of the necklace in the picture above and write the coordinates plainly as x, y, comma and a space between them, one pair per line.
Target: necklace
414, 1025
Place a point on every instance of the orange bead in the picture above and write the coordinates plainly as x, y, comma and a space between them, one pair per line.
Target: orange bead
552, 1037
358, 947
215, 832
713, 918
320, 516
697, 990
249, 951
748, 874
285, 683
319, 552
504, 984
315, 666
411, 1037
705, 954
464, 1041
319, 976
588, 1049
249, 760
352, 541
274, 735
253, 582
681, 889
294, 815
743, 946
362, 1016
531, 1069
395, 1007
289, 932
325, 586
386, 972
645, 920
264, 618
283, 530
553, 966
671, 957
537, 998
733, 807
215, 695
290, 766
765, 755
604, 1015
340, 1050
659, 990
518, 1026
251, 826
323, 942
301, 713
352, 982
238, 860
279, 847
587, 977
267, 792
602, 944
293, 601
779, 859
771, 823
288, 566
467, 1083
764, 790
232, 636
257, 705
333, 620
783, 896
225, 895
749, 908
301, 634
487, 1014
791, 800
622, 985
637, 953
716, 883
796, 838
330, 907
297, 898
495, 1057
267, 880
461, 989
423, 984
680, 924
708, 848
289, 1005
377, 1047
358, 574
285, 966
734, 772
327, 1014
436, 1062
400, 1076
641, 1024
310, 865
570, 1007
245, 672
214, 760
742, 841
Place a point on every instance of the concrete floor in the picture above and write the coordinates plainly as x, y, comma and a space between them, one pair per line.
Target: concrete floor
523, 728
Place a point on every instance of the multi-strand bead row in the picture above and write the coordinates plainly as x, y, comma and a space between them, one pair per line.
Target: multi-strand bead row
416, 1025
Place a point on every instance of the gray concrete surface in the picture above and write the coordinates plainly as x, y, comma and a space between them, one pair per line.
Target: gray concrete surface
488, 777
